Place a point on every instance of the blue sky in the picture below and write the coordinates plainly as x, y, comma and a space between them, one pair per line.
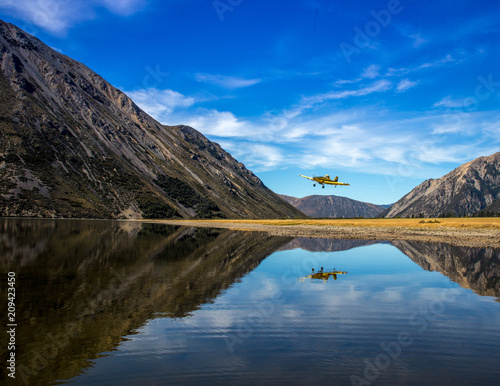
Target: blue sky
384, 94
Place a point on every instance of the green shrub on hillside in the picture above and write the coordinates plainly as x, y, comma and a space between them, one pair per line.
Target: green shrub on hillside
153, 207
188, 197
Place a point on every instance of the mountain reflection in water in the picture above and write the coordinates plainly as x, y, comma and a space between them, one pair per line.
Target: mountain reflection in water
474, 268
86, 287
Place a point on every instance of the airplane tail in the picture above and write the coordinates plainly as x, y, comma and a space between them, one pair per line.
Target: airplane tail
336, 179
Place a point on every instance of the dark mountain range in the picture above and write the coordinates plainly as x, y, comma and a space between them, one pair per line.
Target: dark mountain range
470, 188
334, 206
72, 145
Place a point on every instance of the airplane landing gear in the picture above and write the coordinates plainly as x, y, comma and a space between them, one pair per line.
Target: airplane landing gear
314, 185
323, 186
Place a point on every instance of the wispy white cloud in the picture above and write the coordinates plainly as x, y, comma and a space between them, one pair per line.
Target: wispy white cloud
418, 40
449, 128
122, 7
447, 59
371, 71
50, 16
337, 150
378, 86
311, 134
492, 130
467, 124
381, 143
57, 16
266, 155
160, 104
374, 71
405, 84
454, 103
258, 156
438, 63
341, 82
219, 123
230, 82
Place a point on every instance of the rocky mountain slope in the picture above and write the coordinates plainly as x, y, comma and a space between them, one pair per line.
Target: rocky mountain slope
72, 145
494, 207
334, 206
470, 188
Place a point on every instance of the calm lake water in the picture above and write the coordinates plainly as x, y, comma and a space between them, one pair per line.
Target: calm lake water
124, 303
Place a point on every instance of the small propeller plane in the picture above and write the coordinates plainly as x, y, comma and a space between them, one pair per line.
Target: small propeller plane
325, 180
323, 275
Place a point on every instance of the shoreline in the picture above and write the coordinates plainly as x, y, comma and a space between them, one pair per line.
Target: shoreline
463, 236
463, 232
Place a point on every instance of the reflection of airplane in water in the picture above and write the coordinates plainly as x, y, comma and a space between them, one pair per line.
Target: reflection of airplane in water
324, 275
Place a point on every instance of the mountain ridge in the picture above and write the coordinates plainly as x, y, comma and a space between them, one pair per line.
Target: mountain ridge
334, 206
75, 146
466, 190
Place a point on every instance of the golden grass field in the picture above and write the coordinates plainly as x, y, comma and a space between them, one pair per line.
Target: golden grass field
466, 222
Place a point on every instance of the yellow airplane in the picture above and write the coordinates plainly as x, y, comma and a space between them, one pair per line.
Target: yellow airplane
323, 275
325, 180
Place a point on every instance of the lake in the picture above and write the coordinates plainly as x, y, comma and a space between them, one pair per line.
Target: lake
126, 303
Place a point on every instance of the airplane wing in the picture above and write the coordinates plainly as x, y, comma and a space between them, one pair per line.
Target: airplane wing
309, 178
336, 183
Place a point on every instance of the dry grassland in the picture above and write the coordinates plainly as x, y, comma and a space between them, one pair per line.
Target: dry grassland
481, 232
416, 223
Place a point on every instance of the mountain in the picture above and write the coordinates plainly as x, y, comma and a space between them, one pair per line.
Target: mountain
474, 268
494, 207
334, 206
470, 188
72, 145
